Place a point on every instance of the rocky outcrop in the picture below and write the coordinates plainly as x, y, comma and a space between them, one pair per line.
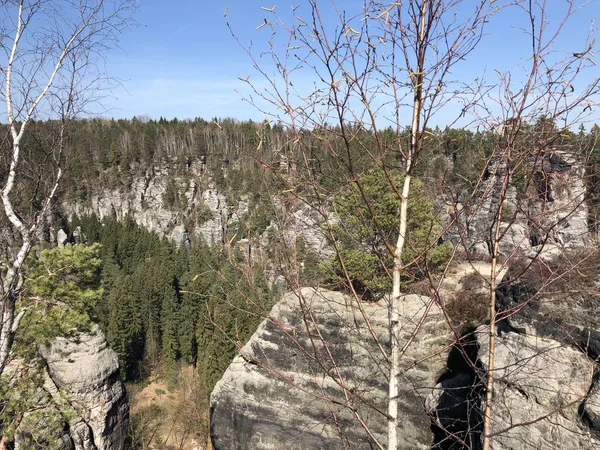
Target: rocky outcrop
541, 388
550, 217
201, 209
314, 375
545, 371
82, 378
541, 381
166, 204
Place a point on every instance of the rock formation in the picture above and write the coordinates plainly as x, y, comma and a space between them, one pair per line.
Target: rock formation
541, 390
314, 374
551, 214
203, 210
148, 206
82, 375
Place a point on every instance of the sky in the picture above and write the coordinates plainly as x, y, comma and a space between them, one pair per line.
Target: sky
181, 60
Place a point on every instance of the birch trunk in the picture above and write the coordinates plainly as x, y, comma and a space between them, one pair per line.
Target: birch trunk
417, 78
395, 321
95, 24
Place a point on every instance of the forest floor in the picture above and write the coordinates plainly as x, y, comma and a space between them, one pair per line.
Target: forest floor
166, 418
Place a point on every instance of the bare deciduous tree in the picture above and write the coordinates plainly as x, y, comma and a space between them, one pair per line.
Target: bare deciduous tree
390, 65
52, 68
546, 96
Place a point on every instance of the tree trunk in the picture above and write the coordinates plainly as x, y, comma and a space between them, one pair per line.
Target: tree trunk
417, 83
395, 320
487, 413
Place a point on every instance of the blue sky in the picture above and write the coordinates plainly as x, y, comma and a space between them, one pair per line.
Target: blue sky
181, 61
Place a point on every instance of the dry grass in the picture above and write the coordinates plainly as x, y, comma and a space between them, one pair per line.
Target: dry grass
169, 419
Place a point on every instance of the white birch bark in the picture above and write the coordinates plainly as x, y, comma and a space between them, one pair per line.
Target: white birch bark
96, 23
417, 83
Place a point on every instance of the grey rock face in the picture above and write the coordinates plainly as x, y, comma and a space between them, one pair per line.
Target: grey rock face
567, 213
85, 371
543, 379
214, 230
557, 207
540, 388
306, 222
284, 389
145, 204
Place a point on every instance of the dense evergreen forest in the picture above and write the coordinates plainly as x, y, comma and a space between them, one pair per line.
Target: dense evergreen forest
247, 158
163, 307
106, 154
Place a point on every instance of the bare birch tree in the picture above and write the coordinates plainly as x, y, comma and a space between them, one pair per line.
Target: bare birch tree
556, 94
391, 65
52, 68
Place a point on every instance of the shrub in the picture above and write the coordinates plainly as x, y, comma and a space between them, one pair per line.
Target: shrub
467, 309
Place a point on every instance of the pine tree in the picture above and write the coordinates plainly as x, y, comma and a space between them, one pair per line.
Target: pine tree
170, 318
61, 288
369, 230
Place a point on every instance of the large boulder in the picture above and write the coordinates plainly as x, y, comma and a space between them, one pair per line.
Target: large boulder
82, 378
314, 376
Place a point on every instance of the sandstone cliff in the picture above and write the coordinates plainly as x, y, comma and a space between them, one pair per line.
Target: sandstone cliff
202, 210
148, 205
82, 377
543, 391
